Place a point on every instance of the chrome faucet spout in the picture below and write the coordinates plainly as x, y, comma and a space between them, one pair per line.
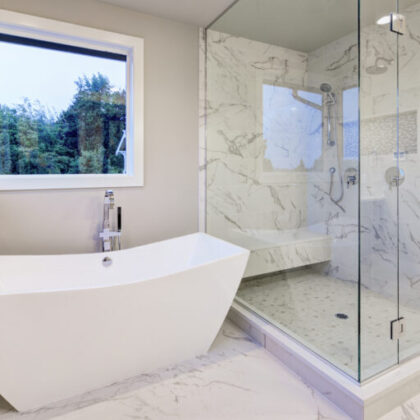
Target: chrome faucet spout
109, 198
108, 205
108, 237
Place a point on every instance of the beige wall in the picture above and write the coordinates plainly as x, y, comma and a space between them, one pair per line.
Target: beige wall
68, 220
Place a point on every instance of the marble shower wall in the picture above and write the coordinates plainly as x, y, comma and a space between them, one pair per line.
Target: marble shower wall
336, 64
237, 198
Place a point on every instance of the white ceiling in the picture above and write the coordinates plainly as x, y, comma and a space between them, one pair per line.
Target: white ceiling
196, 12
303, 25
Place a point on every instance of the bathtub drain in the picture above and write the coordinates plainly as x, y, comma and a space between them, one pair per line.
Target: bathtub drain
107, 262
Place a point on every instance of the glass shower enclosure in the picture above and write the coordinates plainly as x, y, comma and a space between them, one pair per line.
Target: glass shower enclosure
311, 163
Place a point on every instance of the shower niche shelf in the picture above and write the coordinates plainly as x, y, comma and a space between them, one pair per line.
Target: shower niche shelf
275, 250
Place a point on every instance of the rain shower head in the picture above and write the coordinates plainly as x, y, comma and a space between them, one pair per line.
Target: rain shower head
380, 66
373, 70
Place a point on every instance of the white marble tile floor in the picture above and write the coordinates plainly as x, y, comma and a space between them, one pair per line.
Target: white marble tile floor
237, 379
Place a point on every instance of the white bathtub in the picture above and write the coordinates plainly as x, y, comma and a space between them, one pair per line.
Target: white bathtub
68, 324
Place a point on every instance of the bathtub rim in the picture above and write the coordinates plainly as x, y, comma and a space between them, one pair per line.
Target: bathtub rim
237, 251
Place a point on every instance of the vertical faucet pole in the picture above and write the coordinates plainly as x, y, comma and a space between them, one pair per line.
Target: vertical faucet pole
106, 235
108, 205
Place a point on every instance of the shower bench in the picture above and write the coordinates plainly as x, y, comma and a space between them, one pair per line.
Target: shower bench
275, 250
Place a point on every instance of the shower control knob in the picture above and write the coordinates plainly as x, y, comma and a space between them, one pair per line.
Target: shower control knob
351, 180
351, 176
394, 176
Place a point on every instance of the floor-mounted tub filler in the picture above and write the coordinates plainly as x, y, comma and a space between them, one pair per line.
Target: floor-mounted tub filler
73, 323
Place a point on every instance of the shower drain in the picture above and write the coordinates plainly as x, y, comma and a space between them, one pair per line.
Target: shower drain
341, 316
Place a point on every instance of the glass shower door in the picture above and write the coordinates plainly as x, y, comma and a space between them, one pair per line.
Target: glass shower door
379, 165
390, 184
282, 164
409, 181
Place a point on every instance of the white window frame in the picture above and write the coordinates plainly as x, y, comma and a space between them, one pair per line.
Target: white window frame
29, 26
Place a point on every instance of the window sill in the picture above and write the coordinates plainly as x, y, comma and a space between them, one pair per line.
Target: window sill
59, 182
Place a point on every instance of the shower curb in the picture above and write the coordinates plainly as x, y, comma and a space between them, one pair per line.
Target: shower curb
367, 401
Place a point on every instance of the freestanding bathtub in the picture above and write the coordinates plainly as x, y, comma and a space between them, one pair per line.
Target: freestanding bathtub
71, 323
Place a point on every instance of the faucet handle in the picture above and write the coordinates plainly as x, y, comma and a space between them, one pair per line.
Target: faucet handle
109, 198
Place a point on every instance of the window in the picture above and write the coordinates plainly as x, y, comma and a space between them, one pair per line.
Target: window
70, 106
292, 128
351, 123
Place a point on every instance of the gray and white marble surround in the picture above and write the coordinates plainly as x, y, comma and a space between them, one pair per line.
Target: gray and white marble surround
237, 199
239, 196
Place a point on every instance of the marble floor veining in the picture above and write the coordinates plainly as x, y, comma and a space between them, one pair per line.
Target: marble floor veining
322, 313
236, 380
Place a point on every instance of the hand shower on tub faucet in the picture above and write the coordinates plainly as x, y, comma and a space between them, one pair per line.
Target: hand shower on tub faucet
109, 198
108, 237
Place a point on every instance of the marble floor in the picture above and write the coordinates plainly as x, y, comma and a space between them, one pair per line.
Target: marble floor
237, 379
305, 304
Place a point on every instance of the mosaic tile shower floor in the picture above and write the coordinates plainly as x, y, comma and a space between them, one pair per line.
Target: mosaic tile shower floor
305, 305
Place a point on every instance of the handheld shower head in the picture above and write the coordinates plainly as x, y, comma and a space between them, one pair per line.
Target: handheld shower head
329, 102
325, 87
